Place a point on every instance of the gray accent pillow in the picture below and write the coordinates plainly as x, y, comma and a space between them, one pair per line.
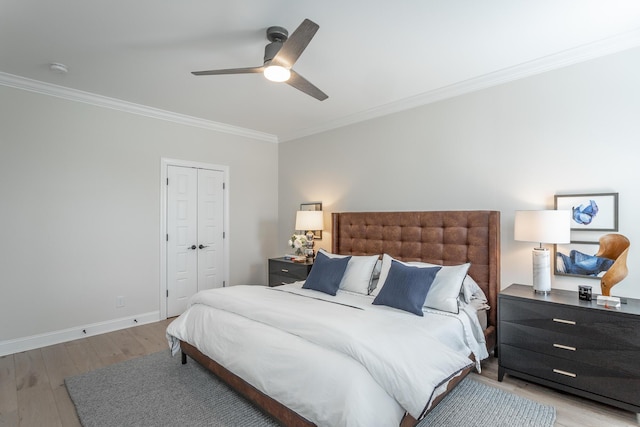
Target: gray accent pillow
357, 277
406, 287
326, 274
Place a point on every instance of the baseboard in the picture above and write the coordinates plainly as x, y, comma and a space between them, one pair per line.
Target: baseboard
56, 337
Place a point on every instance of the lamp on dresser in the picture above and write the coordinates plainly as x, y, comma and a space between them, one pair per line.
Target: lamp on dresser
543, 226
308, 222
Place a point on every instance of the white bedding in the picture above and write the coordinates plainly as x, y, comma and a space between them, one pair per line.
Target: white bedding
337, 361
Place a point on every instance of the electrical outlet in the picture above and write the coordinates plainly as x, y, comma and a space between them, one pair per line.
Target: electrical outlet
119, 302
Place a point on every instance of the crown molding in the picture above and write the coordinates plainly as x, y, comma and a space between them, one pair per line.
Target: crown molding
551, 62
128, 107
611, 45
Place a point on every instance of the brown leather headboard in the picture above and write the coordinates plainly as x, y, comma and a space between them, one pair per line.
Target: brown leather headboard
437, 237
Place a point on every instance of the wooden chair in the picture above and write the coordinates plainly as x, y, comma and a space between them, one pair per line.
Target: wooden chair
615, 247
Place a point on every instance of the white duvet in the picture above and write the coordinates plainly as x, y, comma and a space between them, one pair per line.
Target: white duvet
337, 361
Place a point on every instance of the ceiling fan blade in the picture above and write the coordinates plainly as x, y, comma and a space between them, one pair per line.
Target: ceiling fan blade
248, 70
304, 85
295, 44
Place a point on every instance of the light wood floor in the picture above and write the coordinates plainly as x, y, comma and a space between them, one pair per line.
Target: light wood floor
32, 391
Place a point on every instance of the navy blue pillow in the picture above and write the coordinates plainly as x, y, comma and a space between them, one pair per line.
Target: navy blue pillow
406, 287
326, 274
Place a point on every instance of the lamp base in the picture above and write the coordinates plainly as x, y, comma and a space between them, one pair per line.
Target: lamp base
541, 271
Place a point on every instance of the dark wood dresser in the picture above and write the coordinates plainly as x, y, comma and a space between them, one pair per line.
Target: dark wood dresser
575, 346
283, 271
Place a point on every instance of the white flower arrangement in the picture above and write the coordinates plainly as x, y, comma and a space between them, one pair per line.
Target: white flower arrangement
298, 242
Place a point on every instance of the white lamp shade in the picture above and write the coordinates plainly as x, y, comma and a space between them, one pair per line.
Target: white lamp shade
309, 220
546, 226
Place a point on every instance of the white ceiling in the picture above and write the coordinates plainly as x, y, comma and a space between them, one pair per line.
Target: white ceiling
371, 57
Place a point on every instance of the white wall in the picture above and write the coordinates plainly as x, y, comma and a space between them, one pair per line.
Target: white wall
507, 148
80, 209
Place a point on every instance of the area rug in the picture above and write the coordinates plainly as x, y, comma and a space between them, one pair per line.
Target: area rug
157, 390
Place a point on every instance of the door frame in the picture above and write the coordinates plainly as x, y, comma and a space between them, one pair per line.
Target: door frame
164, 164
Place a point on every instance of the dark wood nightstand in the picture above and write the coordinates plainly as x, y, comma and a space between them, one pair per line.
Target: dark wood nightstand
572, 345
283, 271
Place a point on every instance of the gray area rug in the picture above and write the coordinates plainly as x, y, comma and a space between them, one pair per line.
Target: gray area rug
157, 390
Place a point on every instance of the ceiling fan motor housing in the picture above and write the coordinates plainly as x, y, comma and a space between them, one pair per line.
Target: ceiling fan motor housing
270, 50
277, 36
277, 33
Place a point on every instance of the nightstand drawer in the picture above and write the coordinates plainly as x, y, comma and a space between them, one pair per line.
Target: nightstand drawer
604, 380
283, 271
279, 279
293, 271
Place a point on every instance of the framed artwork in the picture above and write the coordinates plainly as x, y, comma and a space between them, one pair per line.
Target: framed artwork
316, 206
595, 212
578, 259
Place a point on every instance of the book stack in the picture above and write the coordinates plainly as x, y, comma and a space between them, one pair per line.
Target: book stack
295, 258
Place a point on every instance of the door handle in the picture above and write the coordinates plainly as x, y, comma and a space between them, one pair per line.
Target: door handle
203, 246
192, 247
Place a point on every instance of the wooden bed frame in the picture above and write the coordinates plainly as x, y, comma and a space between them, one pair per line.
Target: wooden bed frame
438, 237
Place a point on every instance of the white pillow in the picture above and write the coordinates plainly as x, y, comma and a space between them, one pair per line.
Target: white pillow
471, 290
445, 289
376, 275
357, 276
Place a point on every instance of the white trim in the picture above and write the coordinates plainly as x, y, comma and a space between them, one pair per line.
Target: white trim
164, 163
56, 337
128, 107
554, 61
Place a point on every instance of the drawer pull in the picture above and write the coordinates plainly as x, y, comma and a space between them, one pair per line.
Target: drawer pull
564, 347
568, 374
566, 322
284, 270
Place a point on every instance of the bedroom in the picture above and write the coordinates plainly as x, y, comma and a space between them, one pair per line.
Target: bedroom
84, 213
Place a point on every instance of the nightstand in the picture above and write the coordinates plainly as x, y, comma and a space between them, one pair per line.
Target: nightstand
283, 271
576, 346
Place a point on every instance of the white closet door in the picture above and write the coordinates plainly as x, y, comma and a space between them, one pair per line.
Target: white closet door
182, 230
210, 229
195, 226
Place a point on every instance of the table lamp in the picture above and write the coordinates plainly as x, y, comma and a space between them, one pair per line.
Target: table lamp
308, 222
545, 226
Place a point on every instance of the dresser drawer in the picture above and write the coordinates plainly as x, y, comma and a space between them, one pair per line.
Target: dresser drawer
603, 380
619, 355
584, 327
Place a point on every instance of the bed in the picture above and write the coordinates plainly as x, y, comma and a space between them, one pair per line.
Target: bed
311, 358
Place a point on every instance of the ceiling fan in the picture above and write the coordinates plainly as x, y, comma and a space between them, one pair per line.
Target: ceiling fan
279, 57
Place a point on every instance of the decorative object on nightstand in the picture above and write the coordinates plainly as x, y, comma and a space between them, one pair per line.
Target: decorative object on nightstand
544, 226
298, 242
308, 222
615, 247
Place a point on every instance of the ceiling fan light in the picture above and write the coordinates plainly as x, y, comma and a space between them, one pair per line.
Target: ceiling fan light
276, 73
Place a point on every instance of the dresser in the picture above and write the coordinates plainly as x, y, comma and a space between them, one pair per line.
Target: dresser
283, 271
575, 346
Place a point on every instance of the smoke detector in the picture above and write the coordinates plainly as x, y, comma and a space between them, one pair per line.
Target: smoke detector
58, 68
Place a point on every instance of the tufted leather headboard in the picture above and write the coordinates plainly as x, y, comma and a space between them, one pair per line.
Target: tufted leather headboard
437, 237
